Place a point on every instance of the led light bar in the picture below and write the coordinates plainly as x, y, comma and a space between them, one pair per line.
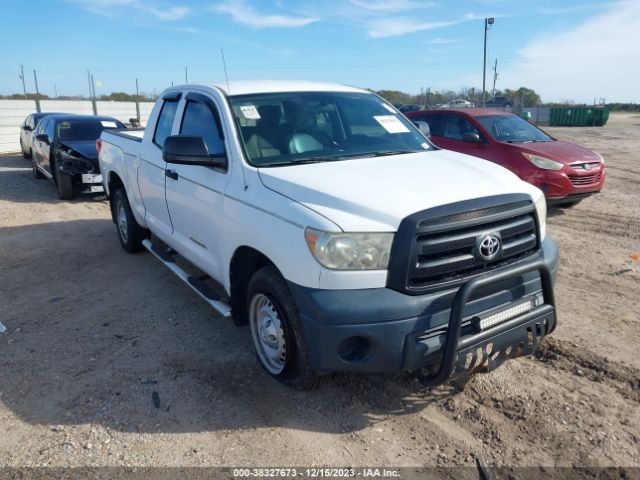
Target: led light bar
503, 315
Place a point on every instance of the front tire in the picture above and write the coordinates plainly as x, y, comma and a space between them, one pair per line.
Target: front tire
64, 183
276, 332
130, 233
37, 174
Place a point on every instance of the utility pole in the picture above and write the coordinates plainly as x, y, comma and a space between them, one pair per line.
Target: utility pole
24, 88
495, 77
186, 75
488, 22
92, 93
35, 78
137, 102
55, 89
89, 82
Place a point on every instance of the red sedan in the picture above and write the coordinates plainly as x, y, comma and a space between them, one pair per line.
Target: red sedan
565, 172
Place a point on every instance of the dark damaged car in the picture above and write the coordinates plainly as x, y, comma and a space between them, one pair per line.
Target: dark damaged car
64, 150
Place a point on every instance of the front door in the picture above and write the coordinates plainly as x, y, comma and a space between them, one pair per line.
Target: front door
195, 194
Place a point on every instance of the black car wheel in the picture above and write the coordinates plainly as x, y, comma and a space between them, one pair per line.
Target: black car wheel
35, 170
64, 182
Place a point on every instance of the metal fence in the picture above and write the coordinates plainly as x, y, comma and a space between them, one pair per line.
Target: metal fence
13, 113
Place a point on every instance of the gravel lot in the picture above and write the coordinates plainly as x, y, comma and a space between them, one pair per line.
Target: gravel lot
110, 360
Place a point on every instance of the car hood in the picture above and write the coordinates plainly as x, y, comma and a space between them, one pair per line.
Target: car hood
375, 194
563, 152
83, 148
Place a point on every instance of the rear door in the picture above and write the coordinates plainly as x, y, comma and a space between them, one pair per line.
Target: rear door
195, 193
151, 174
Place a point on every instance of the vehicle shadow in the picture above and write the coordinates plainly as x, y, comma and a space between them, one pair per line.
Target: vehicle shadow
96, 335
19, 186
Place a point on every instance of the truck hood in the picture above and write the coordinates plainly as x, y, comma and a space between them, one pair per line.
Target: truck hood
375, 194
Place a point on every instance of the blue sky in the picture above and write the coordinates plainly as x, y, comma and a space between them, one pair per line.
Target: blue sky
566, 50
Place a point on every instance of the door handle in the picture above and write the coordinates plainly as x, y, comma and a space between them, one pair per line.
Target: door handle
171, 174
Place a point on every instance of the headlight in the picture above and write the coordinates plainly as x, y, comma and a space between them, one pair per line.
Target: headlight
541, 208
350, 251
542, 162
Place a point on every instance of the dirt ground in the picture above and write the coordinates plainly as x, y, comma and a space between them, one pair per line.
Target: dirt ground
108, 359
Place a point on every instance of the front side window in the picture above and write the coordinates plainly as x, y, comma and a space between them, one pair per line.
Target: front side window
512, 129
49, 129
456, 127
198, 120
291, 128
165, 122
39, 127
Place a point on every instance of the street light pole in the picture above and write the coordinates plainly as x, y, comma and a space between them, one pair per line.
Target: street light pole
488, 22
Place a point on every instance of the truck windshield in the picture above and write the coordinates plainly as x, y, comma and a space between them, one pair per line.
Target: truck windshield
512, 129
69, 131
307, 127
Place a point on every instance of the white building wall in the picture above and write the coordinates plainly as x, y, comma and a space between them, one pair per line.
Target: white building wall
13, 113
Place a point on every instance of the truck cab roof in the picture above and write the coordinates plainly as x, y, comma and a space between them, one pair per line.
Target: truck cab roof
246, 87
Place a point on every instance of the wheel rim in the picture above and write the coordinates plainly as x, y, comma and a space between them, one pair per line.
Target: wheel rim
122, 222
268, 333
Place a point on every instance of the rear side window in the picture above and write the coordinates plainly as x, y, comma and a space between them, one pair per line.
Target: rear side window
199, 121
165, 122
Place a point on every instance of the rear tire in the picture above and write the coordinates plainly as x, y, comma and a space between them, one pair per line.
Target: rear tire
130, 233
64, 183
37, 174
276, 332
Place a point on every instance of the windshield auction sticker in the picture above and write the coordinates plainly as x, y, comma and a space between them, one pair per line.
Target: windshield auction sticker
391, 123
250, 112
108, 124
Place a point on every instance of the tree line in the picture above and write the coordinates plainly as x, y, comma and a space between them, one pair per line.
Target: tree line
522, 97
114, 96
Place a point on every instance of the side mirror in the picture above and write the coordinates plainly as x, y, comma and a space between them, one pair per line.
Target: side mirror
472, 137
423, 127
43, 137
27, 128
188, 150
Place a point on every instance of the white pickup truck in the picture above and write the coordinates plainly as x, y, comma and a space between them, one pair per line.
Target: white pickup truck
321, 217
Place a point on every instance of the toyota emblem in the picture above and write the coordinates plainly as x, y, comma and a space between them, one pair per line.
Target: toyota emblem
488, 246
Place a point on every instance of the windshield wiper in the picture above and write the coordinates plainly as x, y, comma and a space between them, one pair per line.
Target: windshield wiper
394, 152
300, 161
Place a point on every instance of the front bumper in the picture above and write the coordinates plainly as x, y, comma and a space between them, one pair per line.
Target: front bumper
569, 184
382, 330
85, 172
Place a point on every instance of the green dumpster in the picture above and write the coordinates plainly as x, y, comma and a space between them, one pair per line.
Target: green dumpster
578, 116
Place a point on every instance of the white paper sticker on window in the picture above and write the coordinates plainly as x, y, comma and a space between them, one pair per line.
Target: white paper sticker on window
388, 107
425, 145
108, 124
391, 123
250, 112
